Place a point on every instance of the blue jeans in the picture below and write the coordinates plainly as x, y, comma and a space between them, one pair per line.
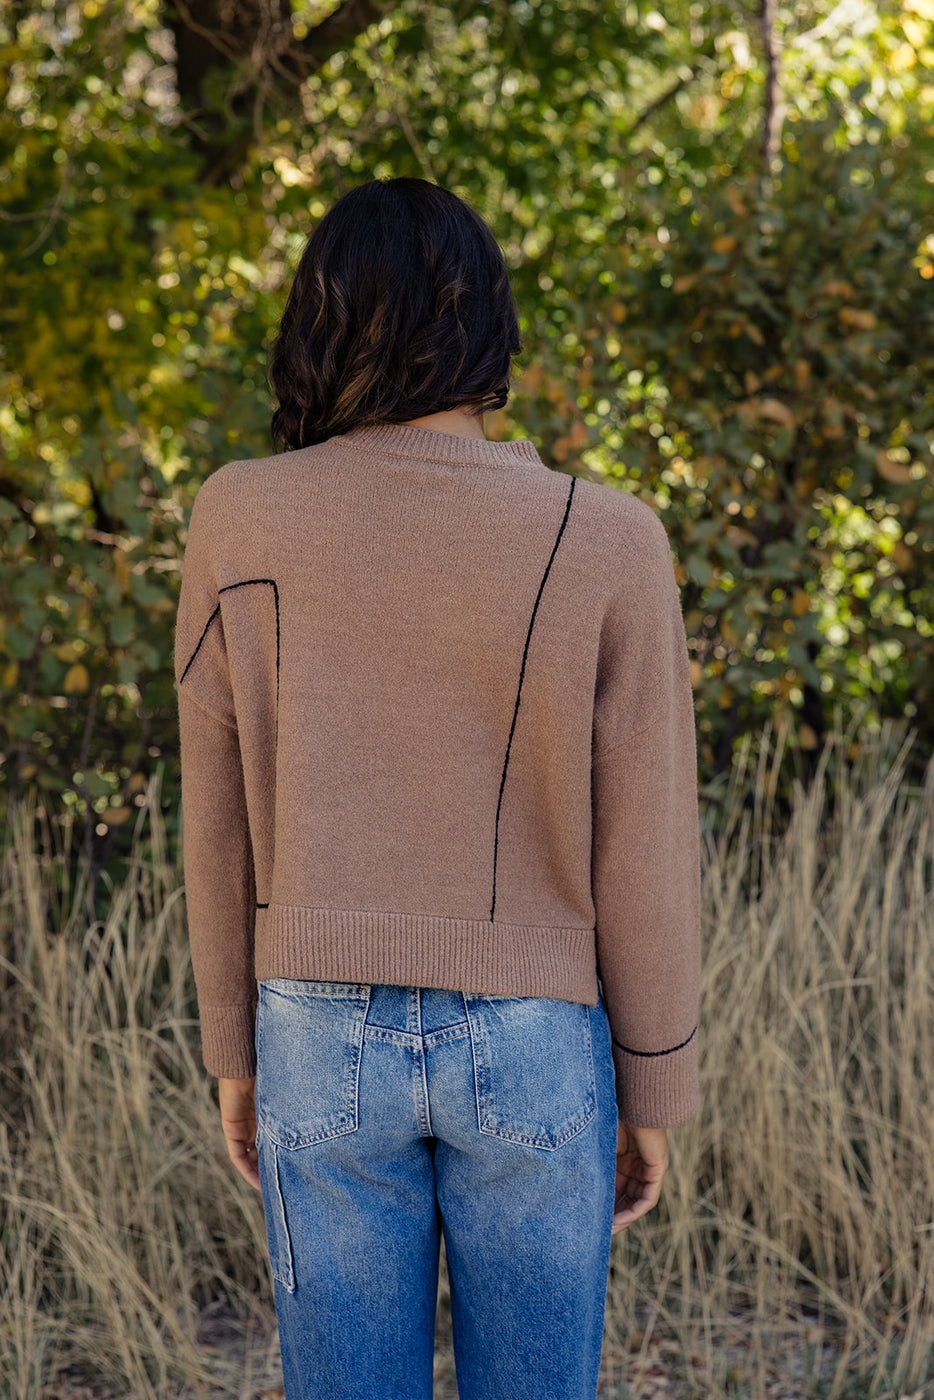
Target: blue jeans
388, 1114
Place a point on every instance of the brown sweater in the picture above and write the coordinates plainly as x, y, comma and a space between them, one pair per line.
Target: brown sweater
437, 730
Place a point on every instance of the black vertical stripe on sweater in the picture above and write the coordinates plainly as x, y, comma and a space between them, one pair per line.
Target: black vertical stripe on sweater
515, 713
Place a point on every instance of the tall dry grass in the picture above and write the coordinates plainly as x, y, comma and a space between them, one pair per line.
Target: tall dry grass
120, 1221
798, 1217
799, 1213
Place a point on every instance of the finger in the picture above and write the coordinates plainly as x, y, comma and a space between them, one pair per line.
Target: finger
634, 1210
633, 1200
246, 1160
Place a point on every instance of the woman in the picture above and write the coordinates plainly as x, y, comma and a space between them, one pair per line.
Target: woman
440, 831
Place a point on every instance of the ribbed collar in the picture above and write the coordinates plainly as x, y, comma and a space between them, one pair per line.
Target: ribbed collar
403, 440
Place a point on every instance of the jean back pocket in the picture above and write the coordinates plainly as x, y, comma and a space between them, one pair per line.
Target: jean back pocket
534, 1069
309, 1040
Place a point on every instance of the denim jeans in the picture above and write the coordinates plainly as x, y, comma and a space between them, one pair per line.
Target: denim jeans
389, 1114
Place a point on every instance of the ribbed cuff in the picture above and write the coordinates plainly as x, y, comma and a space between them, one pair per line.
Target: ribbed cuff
657, 1091
227, 1040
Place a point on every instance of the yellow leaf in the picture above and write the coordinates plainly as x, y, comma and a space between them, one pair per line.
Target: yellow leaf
733, 197
685, 283
838, 289
806, 737
76, 679
777, 411
724, 244
11, 674
915, 33
773, 410
121, 569
618, 311
862, 320
902, 556
738, 537
897, 472
902, 58
800, 602
697, 673
113, 816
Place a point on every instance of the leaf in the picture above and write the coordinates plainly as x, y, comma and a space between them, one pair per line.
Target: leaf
862, 320
76, 679
899, 473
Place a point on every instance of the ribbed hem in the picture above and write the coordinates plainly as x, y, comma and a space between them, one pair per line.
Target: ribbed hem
402, 440
424, 950
227, 1040
657, 1091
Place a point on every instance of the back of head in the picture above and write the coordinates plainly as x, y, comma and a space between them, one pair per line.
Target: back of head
400, 307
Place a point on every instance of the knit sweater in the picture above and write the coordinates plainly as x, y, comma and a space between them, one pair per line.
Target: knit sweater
437, 730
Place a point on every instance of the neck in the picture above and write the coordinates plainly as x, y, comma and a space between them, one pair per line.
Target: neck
459, 422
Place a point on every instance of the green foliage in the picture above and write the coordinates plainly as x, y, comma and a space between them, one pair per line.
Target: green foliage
774, 403
133, 336
746, 346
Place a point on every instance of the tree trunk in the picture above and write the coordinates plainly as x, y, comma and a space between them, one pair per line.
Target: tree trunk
235, 58
774, 112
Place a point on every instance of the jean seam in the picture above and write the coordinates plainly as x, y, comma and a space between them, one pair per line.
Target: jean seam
285, 1276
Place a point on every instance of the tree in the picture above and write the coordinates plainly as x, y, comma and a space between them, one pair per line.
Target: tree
744, 341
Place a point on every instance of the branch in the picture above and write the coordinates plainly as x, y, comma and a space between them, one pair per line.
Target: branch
341, 28
658, 103
773, 115
671, 92
259, 39
252, 41
842, 14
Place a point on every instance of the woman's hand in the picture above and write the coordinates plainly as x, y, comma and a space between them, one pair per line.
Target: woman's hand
238, 1119
641, 1164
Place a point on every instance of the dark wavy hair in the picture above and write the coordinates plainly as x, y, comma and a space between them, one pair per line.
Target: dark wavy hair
400, 307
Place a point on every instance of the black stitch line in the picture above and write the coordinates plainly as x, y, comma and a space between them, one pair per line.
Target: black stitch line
228, 587
200, 640
653, 1054
515, 713
244, 583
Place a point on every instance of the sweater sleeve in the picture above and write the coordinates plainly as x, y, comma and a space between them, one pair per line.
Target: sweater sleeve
217, 853
646, 861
